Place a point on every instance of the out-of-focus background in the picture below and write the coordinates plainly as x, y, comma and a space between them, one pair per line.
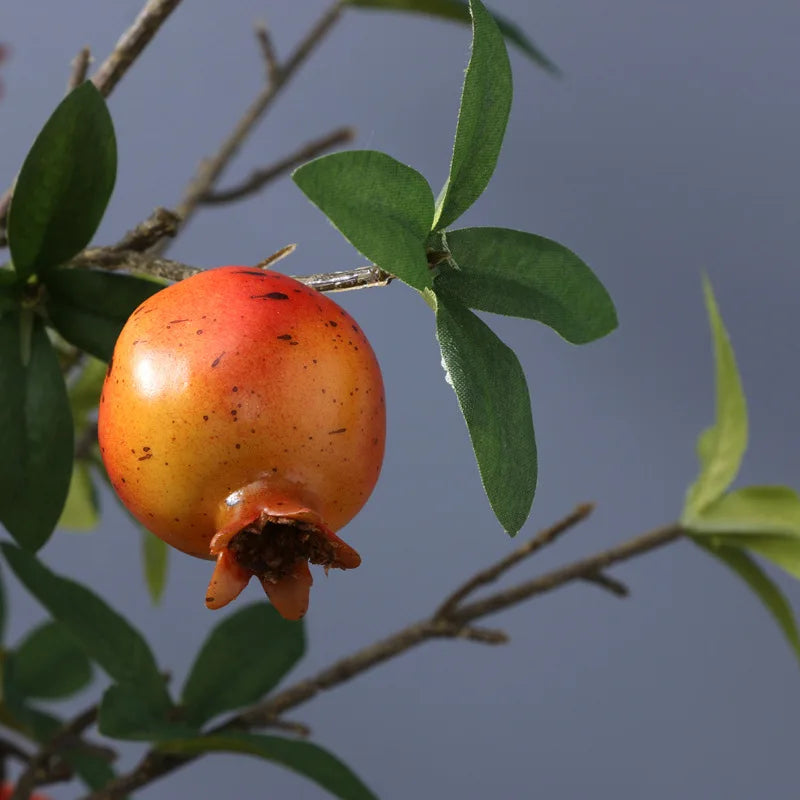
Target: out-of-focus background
668, 148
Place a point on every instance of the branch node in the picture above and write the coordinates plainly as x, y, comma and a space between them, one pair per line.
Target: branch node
268, 52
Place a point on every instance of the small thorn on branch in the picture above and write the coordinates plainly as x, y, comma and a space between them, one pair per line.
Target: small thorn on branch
607, 582
268, 52
260, 178
80, 67
484, 635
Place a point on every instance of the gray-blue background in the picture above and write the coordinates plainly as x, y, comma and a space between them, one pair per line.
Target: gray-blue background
669, 148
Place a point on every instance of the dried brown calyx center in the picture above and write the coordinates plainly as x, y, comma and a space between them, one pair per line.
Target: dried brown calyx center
270, 549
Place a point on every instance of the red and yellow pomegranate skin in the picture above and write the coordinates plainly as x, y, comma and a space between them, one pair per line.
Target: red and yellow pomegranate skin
242, 399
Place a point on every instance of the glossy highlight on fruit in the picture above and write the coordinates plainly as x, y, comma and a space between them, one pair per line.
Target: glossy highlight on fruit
242, 419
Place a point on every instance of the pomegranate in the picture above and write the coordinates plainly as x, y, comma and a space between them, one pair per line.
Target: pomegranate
242, 419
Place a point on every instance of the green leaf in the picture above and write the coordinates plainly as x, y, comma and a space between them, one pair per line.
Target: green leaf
752, 510
10, 291
50, 664
482, 118
127, 713
89, 308
781, 550
64, 185
493, 396
305, 758
84, 391
459, 10
35, 429
722, 446
523, 275
105, 636
770, 595
92, 769
81, 511
155, 559
382, 207
244, 657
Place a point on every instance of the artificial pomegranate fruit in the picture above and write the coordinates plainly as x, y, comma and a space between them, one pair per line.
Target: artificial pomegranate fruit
7, 789
242, 419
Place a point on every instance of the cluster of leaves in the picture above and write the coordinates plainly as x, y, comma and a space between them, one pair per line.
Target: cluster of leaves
763, 520
53, 661
387, 211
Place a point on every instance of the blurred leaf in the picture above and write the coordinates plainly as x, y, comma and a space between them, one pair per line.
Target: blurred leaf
781, 550
3, 608
81, 511
89, 308
93, 770
126, 713
51, 664
304, 758
257, 646
105, 636
523, 275
29, 720
459, 10
35, 430
84, 391
482, 118
10, 291
155, 558
770, 595
754, 509
493, 396
382, 207
721, 447
64, 185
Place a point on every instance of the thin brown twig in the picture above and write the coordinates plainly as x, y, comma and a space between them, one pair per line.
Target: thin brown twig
261, 177
160, 224
457, 624
210, 169
80, 66
152, 16
492, 573
268, 51
37, 769
9, 749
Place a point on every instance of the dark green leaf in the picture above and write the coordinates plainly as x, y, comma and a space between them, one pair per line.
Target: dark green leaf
127, 713
482, 118
770, 595
10, 291
523, 275
35, 429
722, 446
92, 769
64, 185
244, 658
3, 608
493, 397
155, 558
459, 10
31, 721
81, 511
89, 308
305, 758
105, 636
51, 664
382, 207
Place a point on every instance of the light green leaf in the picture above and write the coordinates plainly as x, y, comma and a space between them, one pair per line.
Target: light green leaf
722, 446
35, 430
81, 511
89, 308
382, 207
781, 550
229, 651
482, 118
770, 595
64, 185
752, 510
523, 275
493, 396
459, 10
50, 664
106, 637
155, 559
305, 758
